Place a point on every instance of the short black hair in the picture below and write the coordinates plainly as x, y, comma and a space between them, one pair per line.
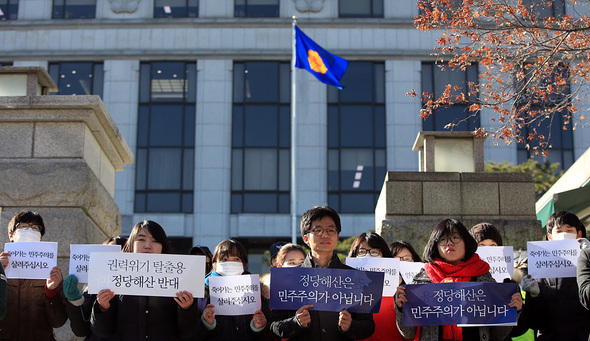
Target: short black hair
398, 246
374, 240
155, 230
565, 218
483, 231
26, 217
445, 228
315, 213
230, 247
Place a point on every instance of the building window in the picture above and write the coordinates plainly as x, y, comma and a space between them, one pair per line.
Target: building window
74, 9
434, 82
165, 137
256, 8
360, 8
8, 10
176, 8
545, 9
356, 139
77, 78
556, 129
261, 138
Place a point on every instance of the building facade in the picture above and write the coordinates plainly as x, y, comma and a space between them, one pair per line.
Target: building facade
200, 90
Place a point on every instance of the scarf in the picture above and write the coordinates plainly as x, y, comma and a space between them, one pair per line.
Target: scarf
443, 272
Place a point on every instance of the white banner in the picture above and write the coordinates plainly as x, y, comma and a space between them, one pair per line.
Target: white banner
235, 295
389, 266
80, 258
146, 274
31, 260
500, 259
553, 259
409, 270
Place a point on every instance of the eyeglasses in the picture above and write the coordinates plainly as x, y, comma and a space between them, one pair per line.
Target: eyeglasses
455, 239
405, 258
373, 252
320, 232
26, 226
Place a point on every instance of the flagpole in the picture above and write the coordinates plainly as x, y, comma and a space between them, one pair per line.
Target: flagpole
293, 137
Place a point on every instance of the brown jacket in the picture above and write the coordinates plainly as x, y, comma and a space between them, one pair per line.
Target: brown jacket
30, 315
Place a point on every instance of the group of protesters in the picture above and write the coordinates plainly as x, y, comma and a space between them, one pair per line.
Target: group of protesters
547, 308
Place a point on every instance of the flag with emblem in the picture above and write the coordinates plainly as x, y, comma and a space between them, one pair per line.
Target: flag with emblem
326, 67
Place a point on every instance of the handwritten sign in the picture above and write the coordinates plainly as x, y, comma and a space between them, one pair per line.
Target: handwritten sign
467, 303
146, 274
235, 295
500, 259
80, 258
409, 270
553, 259
388, 266
31, 260
327, 289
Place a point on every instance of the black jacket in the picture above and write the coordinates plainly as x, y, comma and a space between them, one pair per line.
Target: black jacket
324, 324
3, 291
556, 312
144, 318
80, 318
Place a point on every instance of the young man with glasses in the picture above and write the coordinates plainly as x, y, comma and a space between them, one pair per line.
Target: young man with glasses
320, 227
34, 306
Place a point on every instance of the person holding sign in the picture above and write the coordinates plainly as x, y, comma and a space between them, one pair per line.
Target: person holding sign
34, 306
450, 257
555, 309
145, 317
231, 259
372, 245
320, 227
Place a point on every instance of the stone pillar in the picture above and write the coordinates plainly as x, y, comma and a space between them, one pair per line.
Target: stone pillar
412, 203
58, 156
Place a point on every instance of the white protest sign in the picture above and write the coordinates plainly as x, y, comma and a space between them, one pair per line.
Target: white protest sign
146, 274
235, 295
80, 258
409, 269
553, 259
389, 266
500, 259
31, 260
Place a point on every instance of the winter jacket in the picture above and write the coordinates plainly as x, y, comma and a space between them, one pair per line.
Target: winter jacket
80, 318
428, 333
30, 314
324, 324
231, 327
3, 285
144, 318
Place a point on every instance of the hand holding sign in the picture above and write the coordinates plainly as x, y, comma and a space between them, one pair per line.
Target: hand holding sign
344, 320
400, 296
4, 259
259, 319
55, 278
184, 299
303, 315
104, 298
209, 314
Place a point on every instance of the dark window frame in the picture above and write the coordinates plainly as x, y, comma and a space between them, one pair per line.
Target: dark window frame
61, 10
147, 107
372, 14
190, 10
281, 146
337, 193
10, 10
96, 86
247, 10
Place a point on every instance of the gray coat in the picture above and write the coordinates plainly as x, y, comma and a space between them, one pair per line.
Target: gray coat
429, 333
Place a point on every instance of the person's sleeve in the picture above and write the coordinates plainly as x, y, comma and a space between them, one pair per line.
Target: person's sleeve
284, 324
407, 332
189, 320
361, 327
3, 292
55, 308
80, 315
583, 277
537, 306
102, 322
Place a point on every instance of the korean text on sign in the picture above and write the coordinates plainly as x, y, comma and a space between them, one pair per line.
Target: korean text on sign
32, 260
235, 295
146, 274
470, 303
326, 289
80, 258
553, 259
388, 266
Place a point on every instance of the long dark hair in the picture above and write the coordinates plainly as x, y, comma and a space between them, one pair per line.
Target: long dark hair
374, 240
445, 228
154, 229
230, 247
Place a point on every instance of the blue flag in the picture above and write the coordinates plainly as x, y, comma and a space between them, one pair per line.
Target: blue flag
326, 67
